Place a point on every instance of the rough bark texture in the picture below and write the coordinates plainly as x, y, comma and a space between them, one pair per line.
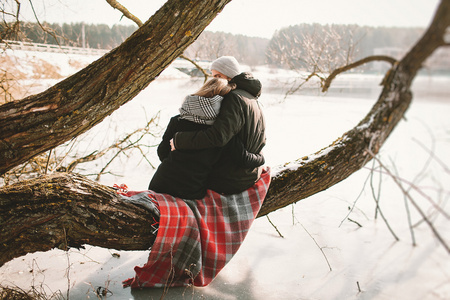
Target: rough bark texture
51, 210
41, 122
66, 210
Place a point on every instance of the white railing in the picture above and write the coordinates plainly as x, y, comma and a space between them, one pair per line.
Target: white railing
26, 46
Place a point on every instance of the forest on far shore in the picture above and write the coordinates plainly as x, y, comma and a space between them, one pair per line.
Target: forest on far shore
288, 47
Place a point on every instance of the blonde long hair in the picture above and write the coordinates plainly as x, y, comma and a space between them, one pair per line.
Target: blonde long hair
215, 86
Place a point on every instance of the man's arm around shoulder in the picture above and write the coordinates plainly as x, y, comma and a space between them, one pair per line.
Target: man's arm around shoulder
228, 123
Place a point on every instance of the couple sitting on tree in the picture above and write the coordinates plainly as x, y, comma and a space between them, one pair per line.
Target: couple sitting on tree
217, 137
210, 184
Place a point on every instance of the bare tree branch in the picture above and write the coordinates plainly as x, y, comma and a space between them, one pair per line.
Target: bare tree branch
196, 65
115, 4
45, 29
414, 203
139, 23
15, 28
356, 64
121, 146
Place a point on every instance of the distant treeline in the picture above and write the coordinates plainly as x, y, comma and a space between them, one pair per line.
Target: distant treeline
210, 45
98, 36
302, 41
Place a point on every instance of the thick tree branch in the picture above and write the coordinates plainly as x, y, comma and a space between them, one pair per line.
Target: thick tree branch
44, 213
41, 122
139, 23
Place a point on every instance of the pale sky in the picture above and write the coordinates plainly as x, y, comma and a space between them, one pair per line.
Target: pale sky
249, 17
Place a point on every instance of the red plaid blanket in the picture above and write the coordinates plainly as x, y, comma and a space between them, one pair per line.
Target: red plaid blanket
197, 238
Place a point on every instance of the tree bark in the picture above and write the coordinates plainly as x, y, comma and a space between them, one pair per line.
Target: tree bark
41, 122
65, 209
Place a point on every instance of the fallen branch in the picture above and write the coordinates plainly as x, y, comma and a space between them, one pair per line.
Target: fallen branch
273, 225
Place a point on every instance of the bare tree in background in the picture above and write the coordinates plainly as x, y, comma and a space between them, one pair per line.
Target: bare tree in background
313, 52
65, 203
321, 48
11, 85
211, 46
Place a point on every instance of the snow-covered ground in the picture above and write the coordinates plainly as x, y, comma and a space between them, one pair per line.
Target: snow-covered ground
333, 246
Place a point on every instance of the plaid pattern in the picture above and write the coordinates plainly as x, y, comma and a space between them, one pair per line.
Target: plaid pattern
200, 110
197, 238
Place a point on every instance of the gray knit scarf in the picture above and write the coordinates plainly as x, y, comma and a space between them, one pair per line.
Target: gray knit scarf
200, 110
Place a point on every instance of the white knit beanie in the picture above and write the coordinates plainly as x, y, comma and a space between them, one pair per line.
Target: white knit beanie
227, 65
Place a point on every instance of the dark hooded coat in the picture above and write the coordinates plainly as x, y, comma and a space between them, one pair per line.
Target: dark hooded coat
240, 115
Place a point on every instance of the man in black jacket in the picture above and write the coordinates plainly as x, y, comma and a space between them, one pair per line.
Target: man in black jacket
241, 115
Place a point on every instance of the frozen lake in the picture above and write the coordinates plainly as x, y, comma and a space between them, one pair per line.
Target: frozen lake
319, 233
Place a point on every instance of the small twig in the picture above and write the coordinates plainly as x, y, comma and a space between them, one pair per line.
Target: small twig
354, 202
68, 263
411, 227
359, 225
416, 206
387, 223
196, 65
192, 278
439, 161
408, 213
279, 233
416, 189
293, 214
122, 146
48, 161
317, 244
170, 277
125, 12
293, 90
47, 30
359, 288
103, 292
377, 196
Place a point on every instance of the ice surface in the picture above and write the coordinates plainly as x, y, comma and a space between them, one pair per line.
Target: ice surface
319, 233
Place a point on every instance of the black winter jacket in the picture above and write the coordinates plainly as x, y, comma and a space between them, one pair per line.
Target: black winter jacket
184, 173
240, 115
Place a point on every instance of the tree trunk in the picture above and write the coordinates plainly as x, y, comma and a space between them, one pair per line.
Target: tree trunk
63, 210
41, 122
66, 209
